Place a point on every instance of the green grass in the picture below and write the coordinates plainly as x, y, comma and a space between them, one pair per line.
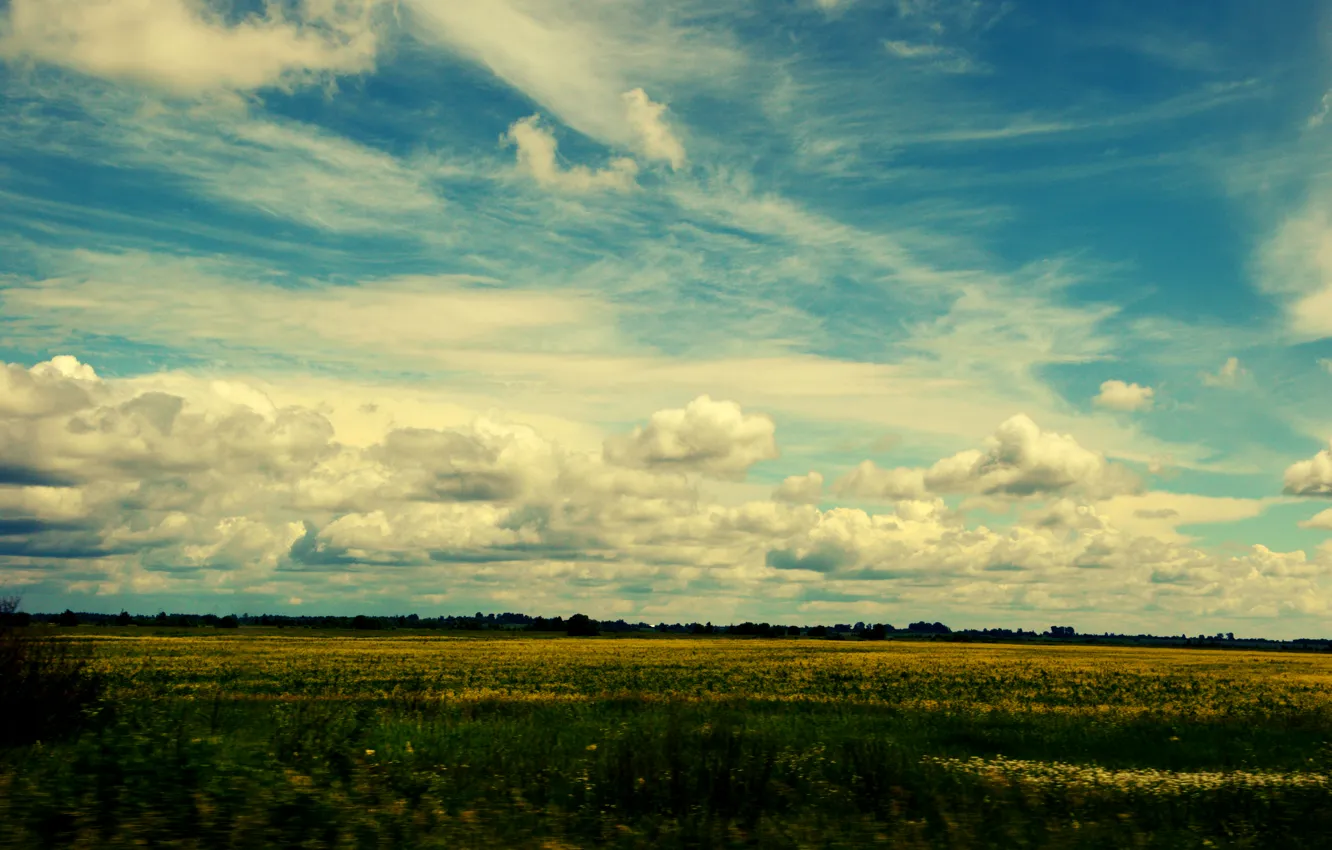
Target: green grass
252, 741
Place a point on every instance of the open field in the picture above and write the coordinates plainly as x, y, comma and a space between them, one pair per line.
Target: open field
265, 739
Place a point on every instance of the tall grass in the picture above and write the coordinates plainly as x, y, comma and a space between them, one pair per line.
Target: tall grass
47, 688
209, 748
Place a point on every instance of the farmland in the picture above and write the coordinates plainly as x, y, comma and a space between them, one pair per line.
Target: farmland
260, 738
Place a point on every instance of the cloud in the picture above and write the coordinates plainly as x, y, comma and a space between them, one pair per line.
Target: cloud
1321, 521
800, 489
1019, 460
947, 60
1318, 117
1312, 477
187, 47
1295, 266
1227, 376
537, 151
870, 481
712, 437
1117, 395
201, 488
577, 59
655, 138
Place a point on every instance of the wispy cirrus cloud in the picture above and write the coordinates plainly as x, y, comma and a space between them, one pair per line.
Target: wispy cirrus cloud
190, 48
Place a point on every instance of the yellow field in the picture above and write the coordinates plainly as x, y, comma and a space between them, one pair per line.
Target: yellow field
1077, 680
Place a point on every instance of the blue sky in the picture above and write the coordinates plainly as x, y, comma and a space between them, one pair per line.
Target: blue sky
1002, 313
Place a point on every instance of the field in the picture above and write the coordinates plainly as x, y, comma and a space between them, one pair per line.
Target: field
264, 738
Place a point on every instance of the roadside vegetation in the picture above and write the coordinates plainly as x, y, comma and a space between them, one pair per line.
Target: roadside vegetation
259, 738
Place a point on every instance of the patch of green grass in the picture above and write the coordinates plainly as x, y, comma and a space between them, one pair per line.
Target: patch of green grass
201, 753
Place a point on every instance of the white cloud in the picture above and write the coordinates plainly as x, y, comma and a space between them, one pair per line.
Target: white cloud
1227, 376
1312, 477
187, 47
1321, 521
1019, 460
225, 152
564, 353
656, 140
1318, 117
577, 59
800, 489
537, 150
1117, 395
947, 60
868, 480
1295, 266
713, 437
214, 490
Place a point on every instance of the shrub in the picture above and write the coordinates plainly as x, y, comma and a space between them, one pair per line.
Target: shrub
581, 625
46, 688
68, 618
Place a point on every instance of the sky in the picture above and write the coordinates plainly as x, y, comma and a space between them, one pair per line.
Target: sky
1003, 314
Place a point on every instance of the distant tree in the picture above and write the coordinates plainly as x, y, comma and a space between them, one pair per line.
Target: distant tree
875, 632
68, 618
792, 631
228, 622
923, 627
817, 631
364, 623
10, 616
697, 629
581, 625
124, 619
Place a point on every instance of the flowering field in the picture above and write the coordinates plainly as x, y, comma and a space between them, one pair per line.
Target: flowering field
270, 739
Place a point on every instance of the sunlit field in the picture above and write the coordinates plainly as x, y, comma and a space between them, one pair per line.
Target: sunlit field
261, 738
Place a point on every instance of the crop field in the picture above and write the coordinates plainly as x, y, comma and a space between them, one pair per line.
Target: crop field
261, 739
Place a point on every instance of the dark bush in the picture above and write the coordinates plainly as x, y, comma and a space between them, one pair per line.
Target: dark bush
68, 618
581, 625
228, 622
46, 686
124, 619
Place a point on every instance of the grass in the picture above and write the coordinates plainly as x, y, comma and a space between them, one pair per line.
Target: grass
263, 739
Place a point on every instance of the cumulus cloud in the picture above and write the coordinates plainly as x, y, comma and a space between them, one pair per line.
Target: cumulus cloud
712, 437
537, 155
1227, 376
655, 138
1019, 460
800, 489
1321, 520
1117, 395
1312, 477
868, 480
189, 47
181, 485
